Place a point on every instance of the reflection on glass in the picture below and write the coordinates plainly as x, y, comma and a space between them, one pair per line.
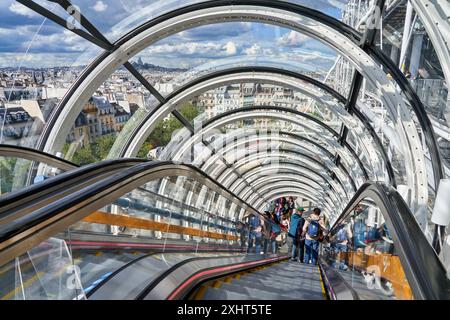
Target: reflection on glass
45, 272
117, 103
405, 40
17, 173
362, 250
165, 215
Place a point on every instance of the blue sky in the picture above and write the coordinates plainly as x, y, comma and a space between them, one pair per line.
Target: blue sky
27, 39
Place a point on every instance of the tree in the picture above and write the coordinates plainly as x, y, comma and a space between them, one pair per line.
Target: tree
95, 151
84, 156
146, 147
189, 111
162, 133
102, 145
7, 165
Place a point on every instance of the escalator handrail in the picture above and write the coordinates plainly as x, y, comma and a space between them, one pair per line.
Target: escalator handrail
11, 203
49, 159
337, 287
424, 270
118, 270
177, 292
127, 265
35, 155
23, 233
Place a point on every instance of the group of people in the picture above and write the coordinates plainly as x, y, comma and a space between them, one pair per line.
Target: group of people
303, 233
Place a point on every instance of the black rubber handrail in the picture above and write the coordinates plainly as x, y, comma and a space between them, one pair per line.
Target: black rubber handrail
49, 159
12, 203
144, 292
23, 233
341, 289
424, 270
161, 278
12, 151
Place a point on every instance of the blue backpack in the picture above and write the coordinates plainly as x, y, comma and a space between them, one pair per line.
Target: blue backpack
313, 229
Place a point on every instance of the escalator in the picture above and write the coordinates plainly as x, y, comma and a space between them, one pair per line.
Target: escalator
286, 280
128, 229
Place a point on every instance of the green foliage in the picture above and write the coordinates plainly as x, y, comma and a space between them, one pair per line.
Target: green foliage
160, 136
102, 145
96, 151
146, 147
84, 156
6, 173
189, 111
162, 133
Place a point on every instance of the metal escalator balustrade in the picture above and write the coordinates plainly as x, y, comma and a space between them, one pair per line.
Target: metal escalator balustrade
385, 256
160, 223
60, 214
377, 248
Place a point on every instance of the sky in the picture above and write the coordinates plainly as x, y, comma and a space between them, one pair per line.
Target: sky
29, 40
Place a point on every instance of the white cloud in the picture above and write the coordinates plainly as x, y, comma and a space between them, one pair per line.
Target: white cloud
189, 48
292, 39
100, 6
253, 50
230, 48
20, 9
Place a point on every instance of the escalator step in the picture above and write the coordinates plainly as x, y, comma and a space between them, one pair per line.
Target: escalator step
285, 281
249, 293
217, 294
271, 292
274, 284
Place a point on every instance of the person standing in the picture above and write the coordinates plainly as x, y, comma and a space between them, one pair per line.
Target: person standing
290, 206
255, 234
281, 238
339, 244
274, 232
312, 231
296, 225
266, 233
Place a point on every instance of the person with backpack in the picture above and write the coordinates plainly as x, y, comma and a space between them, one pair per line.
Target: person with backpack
255, 234
313, 230
339, 243
294, 235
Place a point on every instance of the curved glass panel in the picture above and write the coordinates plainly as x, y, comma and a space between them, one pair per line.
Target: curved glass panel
125, 16
278, 153
37, 66
17, 173
363, 252
405, 40
260, 93
257, 121
109, 111
185, 56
